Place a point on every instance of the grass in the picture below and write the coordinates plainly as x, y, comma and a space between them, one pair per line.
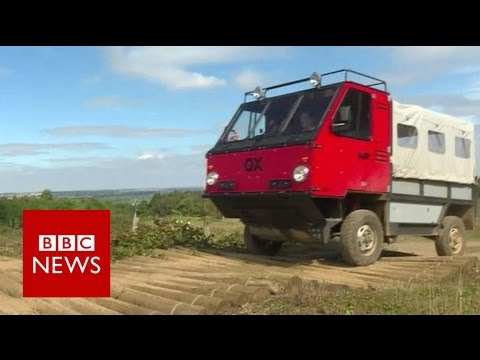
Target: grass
10, 241
459, 296
473, 234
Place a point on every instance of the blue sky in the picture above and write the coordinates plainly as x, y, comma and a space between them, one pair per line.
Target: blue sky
83, 118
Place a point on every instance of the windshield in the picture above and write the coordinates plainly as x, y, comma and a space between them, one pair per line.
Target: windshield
279, 118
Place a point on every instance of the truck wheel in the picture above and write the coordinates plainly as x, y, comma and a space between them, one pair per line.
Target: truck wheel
361, 238
258, 246
451, 241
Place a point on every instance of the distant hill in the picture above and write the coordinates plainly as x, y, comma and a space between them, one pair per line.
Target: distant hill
119, 194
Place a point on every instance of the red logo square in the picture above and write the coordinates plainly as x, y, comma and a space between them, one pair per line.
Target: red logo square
66, 253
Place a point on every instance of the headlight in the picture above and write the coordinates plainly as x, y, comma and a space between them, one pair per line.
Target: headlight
212, 178
300, 173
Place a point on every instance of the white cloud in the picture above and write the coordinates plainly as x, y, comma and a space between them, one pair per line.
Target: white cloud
456, 105
473, 92
408, 64
77, 160
93, 80
151, 155
22, 149
122, 131
199, 149
169, 65
401, 78
424, 54
468, 69
110, 101
249, 79
460, 64
5, 71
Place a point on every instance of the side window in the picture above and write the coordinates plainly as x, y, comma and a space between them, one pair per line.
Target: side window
462, 147
436, 142
353, 116
407, 136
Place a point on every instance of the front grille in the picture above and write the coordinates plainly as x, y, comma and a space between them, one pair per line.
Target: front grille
280, 184
227, 185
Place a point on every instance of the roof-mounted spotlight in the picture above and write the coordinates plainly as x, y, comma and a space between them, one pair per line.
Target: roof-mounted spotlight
315, 79
258, 93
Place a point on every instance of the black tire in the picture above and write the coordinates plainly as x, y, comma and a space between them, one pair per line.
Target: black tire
361, 238
258, 246
451, 241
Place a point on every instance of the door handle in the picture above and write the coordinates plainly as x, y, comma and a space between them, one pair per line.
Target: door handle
363, 155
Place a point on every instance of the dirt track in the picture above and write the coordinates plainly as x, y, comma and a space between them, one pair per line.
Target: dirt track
180, 281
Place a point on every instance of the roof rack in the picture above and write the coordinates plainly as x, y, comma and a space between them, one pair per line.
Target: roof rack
346, 71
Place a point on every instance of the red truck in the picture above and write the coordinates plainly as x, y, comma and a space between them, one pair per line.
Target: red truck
343, 163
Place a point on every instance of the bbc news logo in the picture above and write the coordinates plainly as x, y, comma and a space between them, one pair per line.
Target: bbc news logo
66, 242
66, 253
55, 264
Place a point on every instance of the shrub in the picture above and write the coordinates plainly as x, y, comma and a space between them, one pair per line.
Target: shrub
166, 233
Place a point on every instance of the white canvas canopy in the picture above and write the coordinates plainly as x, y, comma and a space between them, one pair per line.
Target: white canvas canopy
432, 146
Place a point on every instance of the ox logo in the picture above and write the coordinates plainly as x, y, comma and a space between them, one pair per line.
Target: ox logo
253, 164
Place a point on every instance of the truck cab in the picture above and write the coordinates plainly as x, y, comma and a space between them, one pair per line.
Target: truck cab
317, 165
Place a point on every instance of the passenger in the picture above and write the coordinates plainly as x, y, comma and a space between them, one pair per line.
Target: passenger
233, 136
307, 121
272, 126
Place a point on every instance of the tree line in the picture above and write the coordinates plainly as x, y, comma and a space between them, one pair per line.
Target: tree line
185, 203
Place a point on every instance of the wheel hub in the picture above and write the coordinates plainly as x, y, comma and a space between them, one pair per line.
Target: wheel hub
366, 240
455, 240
